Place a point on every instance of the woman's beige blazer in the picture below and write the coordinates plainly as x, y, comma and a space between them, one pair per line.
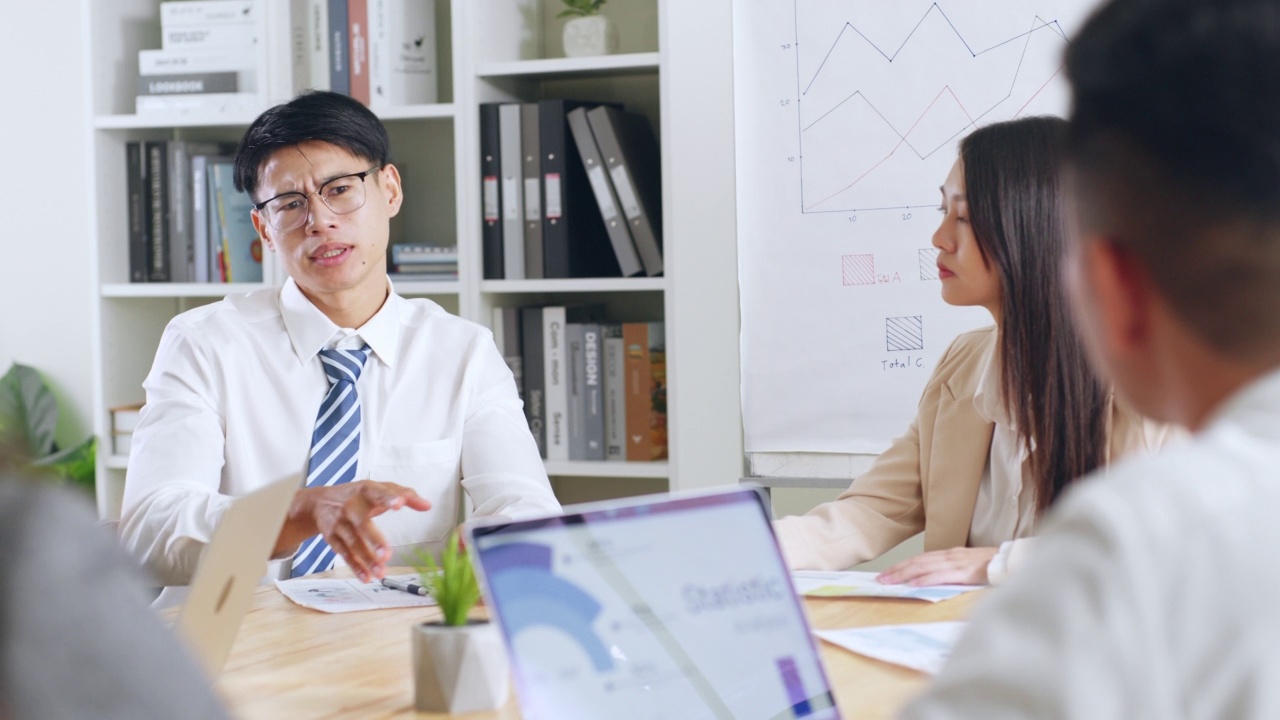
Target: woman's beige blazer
928, 478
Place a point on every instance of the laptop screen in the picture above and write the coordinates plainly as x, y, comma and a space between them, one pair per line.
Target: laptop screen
676, 607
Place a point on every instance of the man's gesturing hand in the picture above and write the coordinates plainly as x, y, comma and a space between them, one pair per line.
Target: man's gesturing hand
344, 514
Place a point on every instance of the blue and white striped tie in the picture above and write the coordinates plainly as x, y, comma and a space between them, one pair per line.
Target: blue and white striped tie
335, 445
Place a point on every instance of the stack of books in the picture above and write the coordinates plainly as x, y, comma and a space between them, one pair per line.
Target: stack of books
592, 389
208, 60
419, 261
380, 52
187, 222
570, 189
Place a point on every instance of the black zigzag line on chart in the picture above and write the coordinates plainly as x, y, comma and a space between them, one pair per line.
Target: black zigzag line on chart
1037, 24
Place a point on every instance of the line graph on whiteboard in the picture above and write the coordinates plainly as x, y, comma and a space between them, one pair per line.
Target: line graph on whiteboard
848, 115
884, 91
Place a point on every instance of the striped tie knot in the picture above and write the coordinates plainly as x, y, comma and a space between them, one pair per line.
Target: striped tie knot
342, 365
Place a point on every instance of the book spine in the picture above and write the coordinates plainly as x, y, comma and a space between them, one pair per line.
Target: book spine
557, 391
412, 76
615, 398
530, 156
181, 262
318, 44
183, 62
531, 352
379, 60
200, 218
202, 104
657, 406
635, 336
512, 194
576, 388
339, 52
136, 189
358, 43
232, 38
157, 212
593, 393
189, 83
299, 40
506, 334
490, 192
207, 12
217, 263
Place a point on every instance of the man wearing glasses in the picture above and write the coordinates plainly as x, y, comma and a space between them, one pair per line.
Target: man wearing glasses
392, 407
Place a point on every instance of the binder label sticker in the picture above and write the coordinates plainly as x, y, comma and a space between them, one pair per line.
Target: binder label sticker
491, 198
552, 183
600, 184
511, 198
532, 200
626, 193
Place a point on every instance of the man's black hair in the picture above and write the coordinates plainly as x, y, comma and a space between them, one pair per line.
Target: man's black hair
322, 116
1175, 139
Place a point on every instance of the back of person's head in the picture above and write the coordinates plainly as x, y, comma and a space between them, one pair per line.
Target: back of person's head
312, 116
1175, 143
1013, 187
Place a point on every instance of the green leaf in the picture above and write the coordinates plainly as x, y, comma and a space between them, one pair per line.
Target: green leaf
76, 466
28, 410
580, 8
452, 582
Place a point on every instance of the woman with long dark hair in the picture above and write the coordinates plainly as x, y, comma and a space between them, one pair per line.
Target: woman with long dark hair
1012, 414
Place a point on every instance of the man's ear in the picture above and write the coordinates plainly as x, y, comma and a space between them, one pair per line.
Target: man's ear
262, 228
389, 177
1122, 289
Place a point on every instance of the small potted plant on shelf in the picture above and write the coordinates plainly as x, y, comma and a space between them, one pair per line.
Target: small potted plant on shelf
588, 32
459, 664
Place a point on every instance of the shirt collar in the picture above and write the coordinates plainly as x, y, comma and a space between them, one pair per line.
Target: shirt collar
311, 331
1253, 407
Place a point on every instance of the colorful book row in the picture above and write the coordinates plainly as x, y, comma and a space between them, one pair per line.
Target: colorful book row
592, 389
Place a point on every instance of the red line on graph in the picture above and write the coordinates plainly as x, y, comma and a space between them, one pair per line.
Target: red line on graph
962, 107
1042, 87
903, 139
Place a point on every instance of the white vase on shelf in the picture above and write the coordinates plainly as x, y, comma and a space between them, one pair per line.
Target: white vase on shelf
590, 35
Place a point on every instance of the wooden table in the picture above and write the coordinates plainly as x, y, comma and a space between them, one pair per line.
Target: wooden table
290, 662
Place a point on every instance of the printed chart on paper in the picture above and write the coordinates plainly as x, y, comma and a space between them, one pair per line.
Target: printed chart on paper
848, 116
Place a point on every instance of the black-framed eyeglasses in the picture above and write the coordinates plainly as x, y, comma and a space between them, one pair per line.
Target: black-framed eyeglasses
343, 194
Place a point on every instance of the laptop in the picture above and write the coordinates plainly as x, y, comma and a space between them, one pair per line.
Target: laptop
230, 570
671, 606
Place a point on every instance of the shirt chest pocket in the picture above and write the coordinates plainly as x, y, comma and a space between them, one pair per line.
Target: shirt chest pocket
421, 454
433, 470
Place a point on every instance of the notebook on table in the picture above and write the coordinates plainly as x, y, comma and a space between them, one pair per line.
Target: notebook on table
654, 607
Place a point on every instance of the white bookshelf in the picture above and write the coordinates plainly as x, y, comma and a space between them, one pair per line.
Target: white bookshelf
489, 52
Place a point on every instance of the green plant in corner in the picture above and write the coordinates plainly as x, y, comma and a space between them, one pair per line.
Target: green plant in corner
452, 582
28, 422
580, 8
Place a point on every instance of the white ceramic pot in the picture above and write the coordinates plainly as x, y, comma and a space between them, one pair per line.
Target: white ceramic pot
459, 669
590, 35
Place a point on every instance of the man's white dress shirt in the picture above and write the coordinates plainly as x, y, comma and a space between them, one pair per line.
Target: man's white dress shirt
232, 398
1154, 593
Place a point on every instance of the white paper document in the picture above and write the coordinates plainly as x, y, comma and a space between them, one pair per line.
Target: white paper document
338, 595
920, 646
853, 583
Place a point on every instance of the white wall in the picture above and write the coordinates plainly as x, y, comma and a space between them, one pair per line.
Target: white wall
45, 281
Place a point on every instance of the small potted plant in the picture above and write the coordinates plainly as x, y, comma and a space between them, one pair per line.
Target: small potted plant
588, 32
459, 664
